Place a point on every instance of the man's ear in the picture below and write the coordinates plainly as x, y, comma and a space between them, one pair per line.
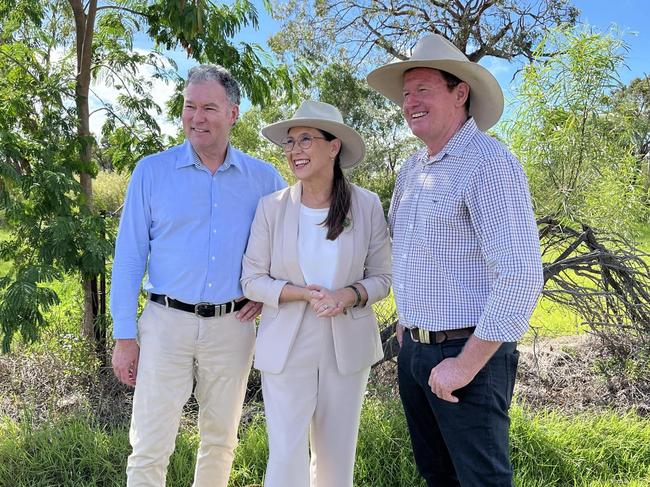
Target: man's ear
462, 93
234, 114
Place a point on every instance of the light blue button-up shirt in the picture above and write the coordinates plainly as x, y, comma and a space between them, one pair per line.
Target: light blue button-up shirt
187, 228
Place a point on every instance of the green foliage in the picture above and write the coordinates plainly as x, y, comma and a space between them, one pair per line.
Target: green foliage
71, 453
378, 120
382, 184
48, 157
551, 450
577, 153
109, 191
552, 320
631, 107
246, 136
205, 30
548, 450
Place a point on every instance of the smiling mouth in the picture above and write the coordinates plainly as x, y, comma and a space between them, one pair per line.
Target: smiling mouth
201, 131
418, 115
298, 163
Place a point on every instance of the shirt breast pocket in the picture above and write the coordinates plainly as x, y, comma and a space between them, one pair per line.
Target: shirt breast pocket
437, 223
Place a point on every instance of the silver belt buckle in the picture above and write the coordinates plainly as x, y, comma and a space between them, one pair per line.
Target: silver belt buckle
199, 306
423, 335
222, 309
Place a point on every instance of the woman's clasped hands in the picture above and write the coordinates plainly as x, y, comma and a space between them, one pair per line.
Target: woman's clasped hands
325, 302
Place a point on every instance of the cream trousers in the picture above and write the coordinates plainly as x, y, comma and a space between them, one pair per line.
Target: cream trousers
309, 402
175, 348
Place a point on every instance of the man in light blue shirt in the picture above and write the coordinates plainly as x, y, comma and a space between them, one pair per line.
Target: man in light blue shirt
186, 223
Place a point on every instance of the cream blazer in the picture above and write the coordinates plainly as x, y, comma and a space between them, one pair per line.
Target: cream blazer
271, 261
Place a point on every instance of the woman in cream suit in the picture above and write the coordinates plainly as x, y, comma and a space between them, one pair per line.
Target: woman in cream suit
318, 257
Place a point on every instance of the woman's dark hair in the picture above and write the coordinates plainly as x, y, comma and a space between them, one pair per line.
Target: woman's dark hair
340, 200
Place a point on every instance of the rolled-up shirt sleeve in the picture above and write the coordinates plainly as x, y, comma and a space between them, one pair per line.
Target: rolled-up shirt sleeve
501, 213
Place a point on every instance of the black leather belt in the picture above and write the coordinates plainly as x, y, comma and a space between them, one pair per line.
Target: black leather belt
425, 336
203, 310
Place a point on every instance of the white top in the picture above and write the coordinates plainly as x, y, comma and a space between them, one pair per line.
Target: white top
317, 256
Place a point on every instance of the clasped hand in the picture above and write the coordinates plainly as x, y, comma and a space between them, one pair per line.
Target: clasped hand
325, 302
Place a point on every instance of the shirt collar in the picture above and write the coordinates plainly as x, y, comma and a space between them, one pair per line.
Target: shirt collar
457, 144
191, 158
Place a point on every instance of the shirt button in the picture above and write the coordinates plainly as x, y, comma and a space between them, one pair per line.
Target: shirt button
213, 257
410, 227
209, 284
215, 205
214, 231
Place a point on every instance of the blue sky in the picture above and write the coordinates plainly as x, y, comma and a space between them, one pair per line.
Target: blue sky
631, 17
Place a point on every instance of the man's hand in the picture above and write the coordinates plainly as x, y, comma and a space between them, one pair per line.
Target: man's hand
399, 333
456, 372
249, 312
448, 376
125, 360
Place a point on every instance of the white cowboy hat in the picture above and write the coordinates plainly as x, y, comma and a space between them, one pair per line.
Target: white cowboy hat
321, 116
434, 51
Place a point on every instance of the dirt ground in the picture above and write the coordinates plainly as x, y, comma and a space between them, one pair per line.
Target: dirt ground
568, 374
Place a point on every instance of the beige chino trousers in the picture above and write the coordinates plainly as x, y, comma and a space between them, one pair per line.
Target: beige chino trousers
176, 347
311, 404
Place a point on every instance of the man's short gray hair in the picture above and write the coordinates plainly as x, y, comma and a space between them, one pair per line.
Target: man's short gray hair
214, 72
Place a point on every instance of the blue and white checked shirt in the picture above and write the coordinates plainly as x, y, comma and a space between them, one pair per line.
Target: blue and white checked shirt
465, 243
188, 228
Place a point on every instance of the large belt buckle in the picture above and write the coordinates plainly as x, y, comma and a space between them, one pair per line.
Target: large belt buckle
423, 335
222, 309
200, 308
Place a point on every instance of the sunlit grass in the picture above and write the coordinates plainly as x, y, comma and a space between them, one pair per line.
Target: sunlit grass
548, 450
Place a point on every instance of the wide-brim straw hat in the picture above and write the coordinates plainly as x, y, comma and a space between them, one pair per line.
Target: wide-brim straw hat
434, 51
321, 116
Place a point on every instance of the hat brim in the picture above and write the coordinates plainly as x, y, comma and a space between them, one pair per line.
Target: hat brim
353, 149
486, 97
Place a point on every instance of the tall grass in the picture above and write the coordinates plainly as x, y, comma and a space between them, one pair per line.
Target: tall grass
549, 450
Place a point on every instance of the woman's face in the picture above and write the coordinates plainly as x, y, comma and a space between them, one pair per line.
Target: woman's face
312, 157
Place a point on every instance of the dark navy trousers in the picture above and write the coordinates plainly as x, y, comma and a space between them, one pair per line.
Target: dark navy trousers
465, 443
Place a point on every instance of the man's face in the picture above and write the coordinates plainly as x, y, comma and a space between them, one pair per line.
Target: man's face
208, 115
431, 110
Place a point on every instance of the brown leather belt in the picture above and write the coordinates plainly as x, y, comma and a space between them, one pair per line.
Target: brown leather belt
425, 336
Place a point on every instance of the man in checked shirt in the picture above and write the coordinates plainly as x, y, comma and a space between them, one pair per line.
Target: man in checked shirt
466, 266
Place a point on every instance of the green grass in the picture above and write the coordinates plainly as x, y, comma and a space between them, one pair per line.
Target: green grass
552, 320
643, 238
549, 450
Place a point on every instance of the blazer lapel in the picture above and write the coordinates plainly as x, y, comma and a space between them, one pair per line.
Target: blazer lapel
346, 249
290, 224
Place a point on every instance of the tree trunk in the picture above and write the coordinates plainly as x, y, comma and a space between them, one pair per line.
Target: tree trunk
84, 29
